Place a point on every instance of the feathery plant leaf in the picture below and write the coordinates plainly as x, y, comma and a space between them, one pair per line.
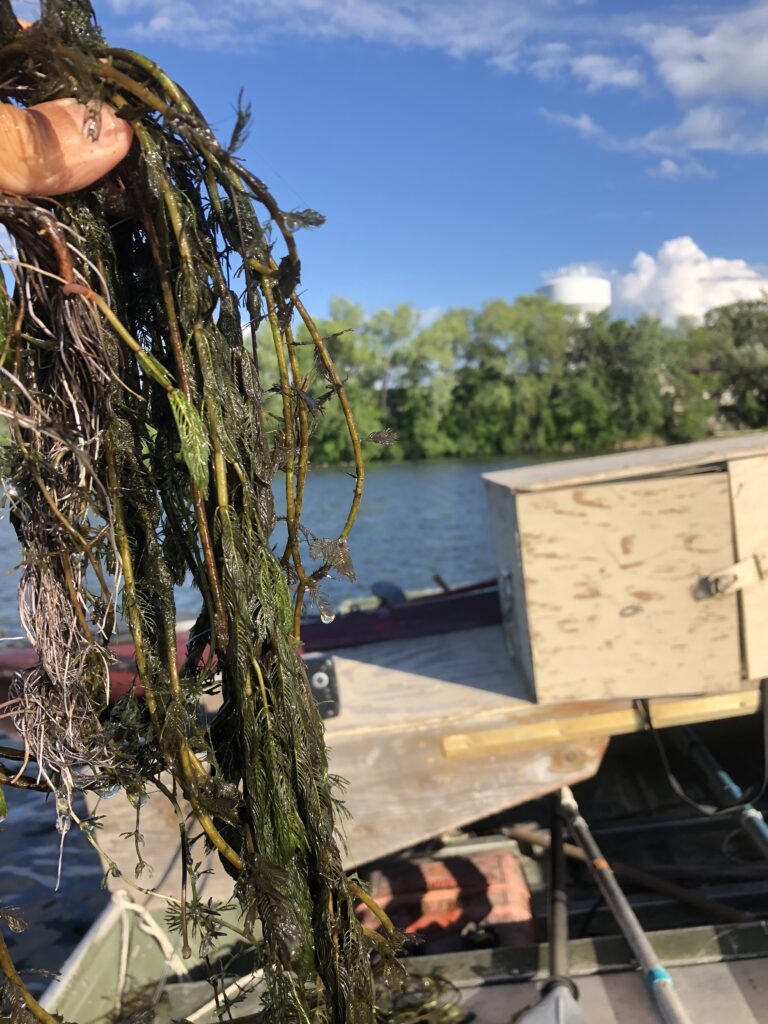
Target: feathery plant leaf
195, 443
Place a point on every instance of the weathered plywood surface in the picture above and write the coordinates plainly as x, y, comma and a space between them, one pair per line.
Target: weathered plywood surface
406, 684
401, 704
403, 790
749, 498
626, 465
611, 573
398, 702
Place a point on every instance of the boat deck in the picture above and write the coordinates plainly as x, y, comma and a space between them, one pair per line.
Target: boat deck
435, 733
721, 974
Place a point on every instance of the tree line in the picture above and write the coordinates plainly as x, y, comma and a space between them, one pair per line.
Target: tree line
534, 378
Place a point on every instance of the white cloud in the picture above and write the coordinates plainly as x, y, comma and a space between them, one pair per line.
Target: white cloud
550, 60
682, 280
675, 170
729, 57
516, 35
701, 57
599, 71
706, 127
582, 123
488, 29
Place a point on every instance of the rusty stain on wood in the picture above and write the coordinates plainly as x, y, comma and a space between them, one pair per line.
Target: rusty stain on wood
580, 497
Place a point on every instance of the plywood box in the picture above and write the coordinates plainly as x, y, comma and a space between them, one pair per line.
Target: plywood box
639, 574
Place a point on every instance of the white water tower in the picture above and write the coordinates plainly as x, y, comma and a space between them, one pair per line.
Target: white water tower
586, 293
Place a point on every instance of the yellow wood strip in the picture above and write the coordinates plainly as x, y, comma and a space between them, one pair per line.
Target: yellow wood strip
664, 713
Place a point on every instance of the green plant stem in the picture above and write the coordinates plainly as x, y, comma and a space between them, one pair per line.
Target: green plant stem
21, 781
9, 969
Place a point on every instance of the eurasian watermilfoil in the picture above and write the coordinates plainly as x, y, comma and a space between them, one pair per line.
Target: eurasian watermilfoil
144, 446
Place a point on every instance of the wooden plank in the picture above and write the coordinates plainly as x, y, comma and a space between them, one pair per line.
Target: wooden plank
631, 464
607, 721
410, 684
398, 701
402, 789
749, 498
611, 573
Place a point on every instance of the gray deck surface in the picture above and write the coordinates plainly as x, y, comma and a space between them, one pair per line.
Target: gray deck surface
724, 993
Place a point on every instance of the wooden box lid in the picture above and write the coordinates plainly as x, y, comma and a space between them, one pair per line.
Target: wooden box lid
646, 462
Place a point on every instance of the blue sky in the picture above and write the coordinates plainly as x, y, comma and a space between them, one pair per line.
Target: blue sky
462, 151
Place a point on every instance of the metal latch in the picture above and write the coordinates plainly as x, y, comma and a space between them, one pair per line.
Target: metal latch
739, 576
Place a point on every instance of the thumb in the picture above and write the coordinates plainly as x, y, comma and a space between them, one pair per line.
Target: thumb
46, 151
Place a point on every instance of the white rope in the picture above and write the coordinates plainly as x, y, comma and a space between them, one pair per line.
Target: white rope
153, 929
230, 990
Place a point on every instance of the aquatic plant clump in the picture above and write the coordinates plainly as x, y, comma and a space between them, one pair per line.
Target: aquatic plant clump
144, 446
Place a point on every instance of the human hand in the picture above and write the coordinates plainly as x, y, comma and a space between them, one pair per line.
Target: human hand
45, 150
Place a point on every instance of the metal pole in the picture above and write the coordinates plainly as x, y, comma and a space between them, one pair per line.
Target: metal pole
559, 995
558, 897
671, 1010
726, 791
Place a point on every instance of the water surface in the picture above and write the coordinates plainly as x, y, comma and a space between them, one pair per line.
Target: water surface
416, 519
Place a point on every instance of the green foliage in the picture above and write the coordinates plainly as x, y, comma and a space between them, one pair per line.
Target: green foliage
532, 377
740, 334
195, 445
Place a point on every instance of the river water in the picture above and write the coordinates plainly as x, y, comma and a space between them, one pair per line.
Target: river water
416, 519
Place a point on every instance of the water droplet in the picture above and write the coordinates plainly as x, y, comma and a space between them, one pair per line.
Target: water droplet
63, 823
107, 792
327, 616
137, 799
205, 947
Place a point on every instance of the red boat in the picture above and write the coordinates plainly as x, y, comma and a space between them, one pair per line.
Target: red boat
397, 617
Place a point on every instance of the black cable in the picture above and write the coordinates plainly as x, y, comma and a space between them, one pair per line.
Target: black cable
751, 796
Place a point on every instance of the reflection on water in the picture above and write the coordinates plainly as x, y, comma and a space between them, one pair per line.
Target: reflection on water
417, 519
29, 857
